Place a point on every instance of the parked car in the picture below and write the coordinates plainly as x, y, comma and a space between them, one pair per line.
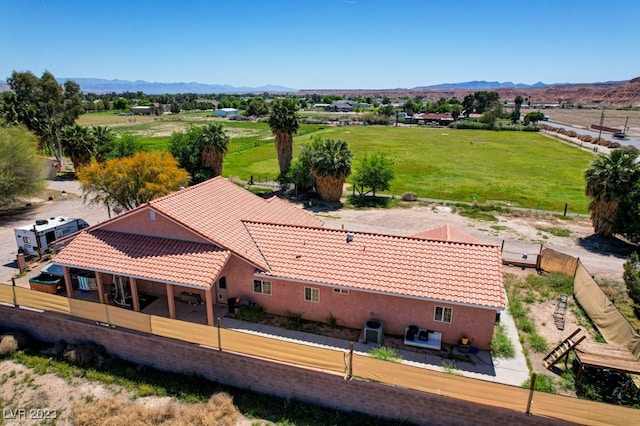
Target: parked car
619, 135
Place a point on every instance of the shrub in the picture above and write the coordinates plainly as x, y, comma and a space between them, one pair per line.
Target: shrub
294, 321
501, 345
332, 321
631, 277
253, 313
385, 353
538, 343
473, 125
409, 196
544, 383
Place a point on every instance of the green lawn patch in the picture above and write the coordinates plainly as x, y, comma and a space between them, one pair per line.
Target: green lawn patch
516, 169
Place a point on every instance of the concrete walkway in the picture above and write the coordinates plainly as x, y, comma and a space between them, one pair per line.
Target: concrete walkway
507, 371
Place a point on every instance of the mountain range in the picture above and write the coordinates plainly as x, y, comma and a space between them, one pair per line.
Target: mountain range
101, 85
614, 93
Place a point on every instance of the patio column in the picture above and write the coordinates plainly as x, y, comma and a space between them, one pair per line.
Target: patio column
209, 301
171, 301
134, 294
67, 281
100, 287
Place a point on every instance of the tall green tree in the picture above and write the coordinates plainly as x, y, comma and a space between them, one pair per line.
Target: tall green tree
22, 172
215, 144
491, 113
102, 136
78, 143
516, 111
467, 104
375, 172
119, 147
200, 150
386, 109
132, 181
257, 107
300, 171
456, 109
284, 123
330, 166
43, 106
610, 179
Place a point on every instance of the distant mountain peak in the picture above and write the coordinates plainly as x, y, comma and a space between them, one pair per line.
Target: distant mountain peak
481, 85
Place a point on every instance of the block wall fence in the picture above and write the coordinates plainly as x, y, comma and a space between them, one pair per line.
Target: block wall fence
318, 387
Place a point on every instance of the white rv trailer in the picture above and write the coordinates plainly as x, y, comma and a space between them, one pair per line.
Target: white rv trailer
38, 238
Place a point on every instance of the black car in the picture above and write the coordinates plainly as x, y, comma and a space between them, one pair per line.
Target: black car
619, 135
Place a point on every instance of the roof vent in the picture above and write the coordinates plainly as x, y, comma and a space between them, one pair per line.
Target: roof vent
349, 237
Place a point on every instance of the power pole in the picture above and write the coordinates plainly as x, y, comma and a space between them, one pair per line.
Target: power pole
601, 123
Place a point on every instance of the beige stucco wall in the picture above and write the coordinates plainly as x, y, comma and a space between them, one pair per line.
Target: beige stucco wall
353, 309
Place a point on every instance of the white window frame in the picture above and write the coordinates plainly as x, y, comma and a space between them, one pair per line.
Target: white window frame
443, 314
265, 287
314, 294
340, 290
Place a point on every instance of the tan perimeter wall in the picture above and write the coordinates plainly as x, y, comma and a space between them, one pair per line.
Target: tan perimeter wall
326, 389
554, 261
613, 326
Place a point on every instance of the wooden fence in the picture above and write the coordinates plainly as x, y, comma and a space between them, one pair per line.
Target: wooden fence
331, 360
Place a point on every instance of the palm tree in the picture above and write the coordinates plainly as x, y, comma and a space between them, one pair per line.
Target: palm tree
284, 123
78, 143
330, 166
103, 136
609, 180
215, 144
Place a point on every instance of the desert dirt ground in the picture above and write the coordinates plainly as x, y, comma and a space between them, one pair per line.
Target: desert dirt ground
586, 117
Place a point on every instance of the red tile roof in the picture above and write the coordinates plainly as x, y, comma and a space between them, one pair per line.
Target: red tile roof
442, 270
216, 208
447, 233
158, 259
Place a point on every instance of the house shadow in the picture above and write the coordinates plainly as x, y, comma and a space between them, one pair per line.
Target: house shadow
609, 246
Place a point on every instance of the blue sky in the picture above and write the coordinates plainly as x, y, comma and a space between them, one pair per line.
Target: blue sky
323, 44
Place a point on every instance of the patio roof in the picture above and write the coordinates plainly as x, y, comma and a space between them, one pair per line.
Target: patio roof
463, 273
183, 263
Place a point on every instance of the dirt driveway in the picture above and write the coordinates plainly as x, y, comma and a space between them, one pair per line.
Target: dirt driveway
71, 206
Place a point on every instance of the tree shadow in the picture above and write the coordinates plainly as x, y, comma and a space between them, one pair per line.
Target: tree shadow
611, 246
15, 213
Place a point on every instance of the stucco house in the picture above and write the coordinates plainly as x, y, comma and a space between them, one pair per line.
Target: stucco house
219, 242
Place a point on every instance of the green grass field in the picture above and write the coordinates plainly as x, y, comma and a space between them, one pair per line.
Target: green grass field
511, 168
519, 169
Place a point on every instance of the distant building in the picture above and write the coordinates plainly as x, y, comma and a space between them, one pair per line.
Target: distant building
141, 110
225, 112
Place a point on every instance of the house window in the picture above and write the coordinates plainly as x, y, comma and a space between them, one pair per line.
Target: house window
443, 314
222, 283
263, 287
312, 294
341, 291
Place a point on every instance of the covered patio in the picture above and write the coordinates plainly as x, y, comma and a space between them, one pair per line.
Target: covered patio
146, 274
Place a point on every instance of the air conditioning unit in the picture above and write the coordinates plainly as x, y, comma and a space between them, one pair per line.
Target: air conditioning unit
373, 331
